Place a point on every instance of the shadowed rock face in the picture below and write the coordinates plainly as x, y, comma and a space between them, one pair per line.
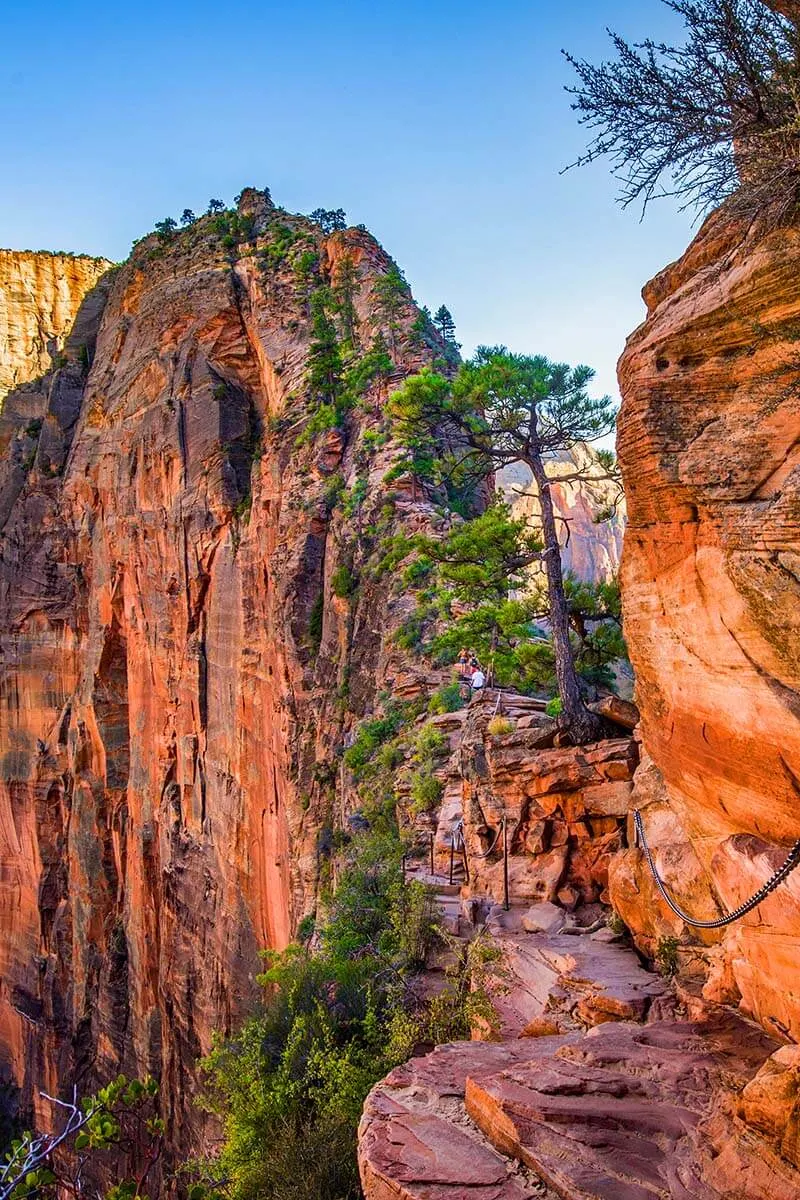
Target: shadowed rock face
168, 717
40, 296
709, 443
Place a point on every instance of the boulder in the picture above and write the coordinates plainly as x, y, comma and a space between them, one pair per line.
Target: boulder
544, 918
622, 712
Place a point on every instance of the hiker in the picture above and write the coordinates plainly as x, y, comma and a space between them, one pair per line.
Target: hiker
463, 663
473, 661
477, 680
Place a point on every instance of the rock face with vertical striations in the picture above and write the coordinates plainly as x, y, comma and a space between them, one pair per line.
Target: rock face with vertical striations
40, 296
709, 443
177, 672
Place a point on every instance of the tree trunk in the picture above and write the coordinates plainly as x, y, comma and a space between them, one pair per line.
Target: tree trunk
583, 726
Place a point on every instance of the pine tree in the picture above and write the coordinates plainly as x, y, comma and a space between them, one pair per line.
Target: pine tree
503, 408
330, 219
166, 228
345, 290
390, 295
716, 116
444, 322
324, 356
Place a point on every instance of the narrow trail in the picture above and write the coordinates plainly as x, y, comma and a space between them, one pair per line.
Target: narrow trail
602, 1080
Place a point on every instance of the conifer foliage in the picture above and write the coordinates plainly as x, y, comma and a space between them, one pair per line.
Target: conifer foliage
503, 408
717, 116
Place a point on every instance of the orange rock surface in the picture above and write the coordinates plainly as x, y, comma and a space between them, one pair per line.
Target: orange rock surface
709, 443
168, 714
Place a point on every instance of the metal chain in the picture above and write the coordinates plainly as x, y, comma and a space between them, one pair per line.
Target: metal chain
459, 833
777, 877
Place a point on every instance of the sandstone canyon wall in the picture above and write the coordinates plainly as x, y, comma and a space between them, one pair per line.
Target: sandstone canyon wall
175, 668
40, 295
709, 443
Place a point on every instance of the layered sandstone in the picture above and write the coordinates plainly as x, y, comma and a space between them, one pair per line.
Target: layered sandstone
709, 443
561, 812
177, 672
643, 1103
40, 296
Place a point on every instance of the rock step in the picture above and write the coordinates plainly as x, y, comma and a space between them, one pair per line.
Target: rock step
580, 979
416, 1141
623, 1112
631, 1112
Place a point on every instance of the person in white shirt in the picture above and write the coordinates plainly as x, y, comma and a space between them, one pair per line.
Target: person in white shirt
477, 680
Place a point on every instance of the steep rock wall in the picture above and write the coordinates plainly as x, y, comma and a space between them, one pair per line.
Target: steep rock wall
176, 668
709, 443
40, 296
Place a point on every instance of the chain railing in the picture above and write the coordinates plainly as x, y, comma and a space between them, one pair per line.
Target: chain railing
777, 877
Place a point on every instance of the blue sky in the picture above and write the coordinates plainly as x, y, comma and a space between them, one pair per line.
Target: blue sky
442, 127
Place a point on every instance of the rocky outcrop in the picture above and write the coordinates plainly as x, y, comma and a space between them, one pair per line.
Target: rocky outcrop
178, 668
565, 809
709, 443
661, 1109
589, 509
40, 297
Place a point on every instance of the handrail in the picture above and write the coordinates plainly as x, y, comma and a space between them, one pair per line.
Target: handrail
777, 877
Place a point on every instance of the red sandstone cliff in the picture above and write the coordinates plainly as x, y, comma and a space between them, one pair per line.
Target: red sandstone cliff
709, 444
168, 710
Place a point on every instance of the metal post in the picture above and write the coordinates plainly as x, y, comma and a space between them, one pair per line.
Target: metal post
452, 853
506, 904
403, 863
432, 870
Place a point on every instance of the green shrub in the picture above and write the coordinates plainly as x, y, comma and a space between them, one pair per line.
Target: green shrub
554, 707
306, 927
334, 488
289, 1088
343, 582
616, 924
667, 956
371, 735
315, 621
355, 496
447, 699
417, 571
324, 418
373, 440
426, 791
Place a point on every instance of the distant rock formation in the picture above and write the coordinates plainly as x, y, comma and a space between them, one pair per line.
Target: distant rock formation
591, 547
40, 295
